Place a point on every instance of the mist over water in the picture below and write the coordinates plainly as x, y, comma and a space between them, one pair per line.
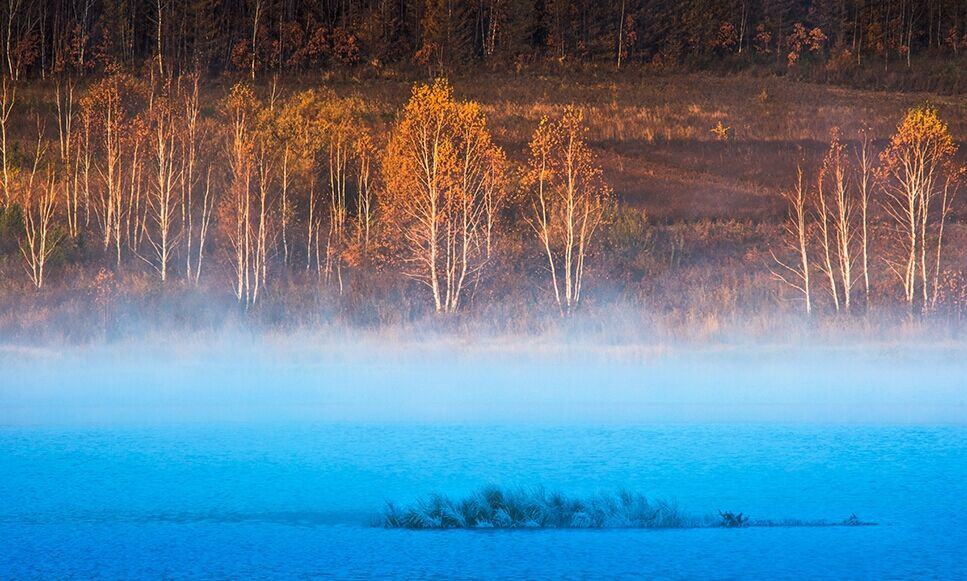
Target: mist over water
268, 456
380, 378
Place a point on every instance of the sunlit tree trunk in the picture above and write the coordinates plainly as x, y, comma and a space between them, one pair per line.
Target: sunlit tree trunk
8, 96
946, 203
64, 94
796, 239
240, 107
164, 201
917, 172
621, 28
825, 245
13, 8
339, 149
436, 167
541, 145
114, 134
365, 195
159, 37
137, 210
262, 233
570, 201
843, 217
85, 163
493, 189
189, 176
112, 205
256, 18
864, 159
312, 226
285, 215
207, 211
39, 204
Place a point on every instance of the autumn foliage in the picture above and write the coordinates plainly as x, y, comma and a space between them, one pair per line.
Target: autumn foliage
920, 182
292, 204
444, 184
569, 200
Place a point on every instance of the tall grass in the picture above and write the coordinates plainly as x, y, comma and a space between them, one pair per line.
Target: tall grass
511, 508
494, 507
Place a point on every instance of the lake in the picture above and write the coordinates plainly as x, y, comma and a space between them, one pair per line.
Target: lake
270, 457
295, 499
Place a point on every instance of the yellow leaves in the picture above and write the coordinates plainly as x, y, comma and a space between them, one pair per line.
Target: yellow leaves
365, 146
118, 90
240, 107
560, 156
561, 161
431, 99
543, 139
572, 122
569, 200
298, 123
721, 131
444, 181
470, 118
429, 136
241, 101
921, 137
922, 127
311, 120
431, 108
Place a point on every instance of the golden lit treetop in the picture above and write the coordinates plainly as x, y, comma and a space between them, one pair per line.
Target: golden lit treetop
444, 179
561, 158
923, 134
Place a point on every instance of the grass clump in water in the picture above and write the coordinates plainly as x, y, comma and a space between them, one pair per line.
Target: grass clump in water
731, 520
494, 507
518, 508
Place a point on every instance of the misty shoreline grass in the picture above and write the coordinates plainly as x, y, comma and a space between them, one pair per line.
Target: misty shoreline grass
494, 507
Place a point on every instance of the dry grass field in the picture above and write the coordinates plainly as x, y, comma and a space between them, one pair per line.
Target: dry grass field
654, 134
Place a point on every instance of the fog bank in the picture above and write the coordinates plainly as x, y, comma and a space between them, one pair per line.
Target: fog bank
382, 379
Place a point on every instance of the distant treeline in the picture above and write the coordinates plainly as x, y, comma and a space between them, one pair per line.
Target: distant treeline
256, 36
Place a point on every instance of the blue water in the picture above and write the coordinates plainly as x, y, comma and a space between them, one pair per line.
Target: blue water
293, 499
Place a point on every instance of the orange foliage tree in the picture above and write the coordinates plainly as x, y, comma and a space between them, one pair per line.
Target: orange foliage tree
112, 109
163, 201
343, 127
299, 131
38, 201
316, 134
920, 180
569, 200
242, 211
196, 210
444, 180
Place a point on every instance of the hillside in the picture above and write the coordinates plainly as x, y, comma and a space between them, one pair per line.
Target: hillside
688, 248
